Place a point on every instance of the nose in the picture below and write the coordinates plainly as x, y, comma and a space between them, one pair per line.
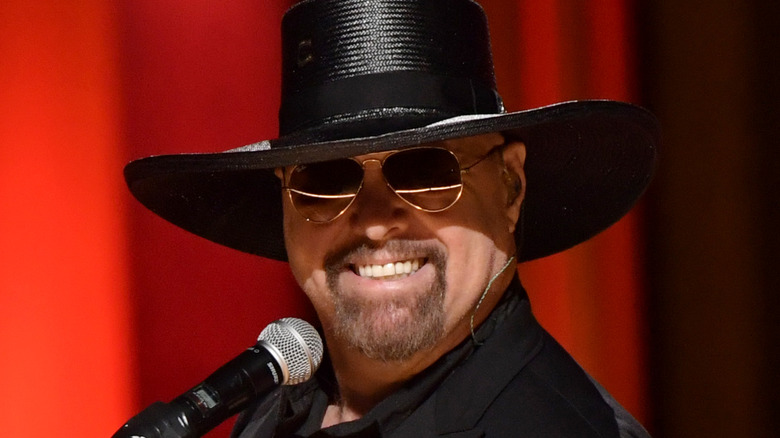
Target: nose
377, 212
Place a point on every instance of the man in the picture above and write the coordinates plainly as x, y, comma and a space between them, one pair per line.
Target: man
403, 197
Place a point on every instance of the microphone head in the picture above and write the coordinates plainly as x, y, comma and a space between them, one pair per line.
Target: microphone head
297, 345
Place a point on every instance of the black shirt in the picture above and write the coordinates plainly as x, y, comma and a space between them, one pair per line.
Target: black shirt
510, 379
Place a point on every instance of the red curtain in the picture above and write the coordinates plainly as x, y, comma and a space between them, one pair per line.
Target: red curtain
107, 308
590, 297
199, 76
66, 364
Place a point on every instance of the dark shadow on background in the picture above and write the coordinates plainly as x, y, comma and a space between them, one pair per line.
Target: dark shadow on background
710, 72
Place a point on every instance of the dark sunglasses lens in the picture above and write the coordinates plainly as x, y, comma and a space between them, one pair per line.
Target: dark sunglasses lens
321, 191
426, 177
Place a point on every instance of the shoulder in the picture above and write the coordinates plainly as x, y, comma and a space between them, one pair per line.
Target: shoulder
551, 396
522, 383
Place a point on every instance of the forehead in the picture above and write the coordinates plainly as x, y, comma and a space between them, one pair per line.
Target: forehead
464, 147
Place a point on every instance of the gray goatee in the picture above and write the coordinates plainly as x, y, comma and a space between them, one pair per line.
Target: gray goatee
389, 329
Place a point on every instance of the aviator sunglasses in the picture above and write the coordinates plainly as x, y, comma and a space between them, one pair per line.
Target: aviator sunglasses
427, 178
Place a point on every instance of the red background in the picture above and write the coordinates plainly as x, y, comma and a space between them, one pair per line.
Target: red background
105, 308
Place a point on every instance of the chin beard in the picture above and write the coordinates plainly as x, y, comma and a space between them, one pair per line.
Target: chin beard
394, 329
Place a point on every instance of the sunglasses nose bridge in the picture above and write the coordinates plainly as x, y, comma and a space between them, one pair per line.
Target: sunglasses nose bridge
372, 171
375, 188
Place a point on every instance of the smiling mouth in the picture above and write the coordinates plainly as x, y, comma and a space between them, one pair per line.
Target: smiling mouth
389, 271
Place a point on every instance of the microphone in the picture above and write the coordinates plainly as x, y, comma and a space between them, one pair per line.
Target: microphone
288, 352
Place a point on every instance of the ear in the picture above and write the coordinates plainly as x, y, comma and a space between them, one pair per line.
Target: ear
279, 172
514, 179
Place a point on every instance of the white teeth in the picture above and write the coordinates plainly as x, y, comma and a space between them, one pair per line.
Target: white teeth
390, 270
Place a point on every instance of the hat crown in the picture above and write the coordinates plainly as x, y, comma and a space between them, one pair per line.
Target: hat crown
383, 65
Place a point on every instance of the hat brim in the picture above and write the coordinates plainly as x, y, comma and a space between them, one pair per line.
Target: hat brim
587, 164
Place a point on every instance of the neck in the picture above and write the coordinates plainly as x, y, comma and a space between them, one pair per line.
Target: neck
363, 382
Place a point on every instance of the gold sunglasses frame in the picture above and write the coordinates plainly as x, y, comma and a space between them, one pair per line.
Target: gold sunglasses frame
463, 170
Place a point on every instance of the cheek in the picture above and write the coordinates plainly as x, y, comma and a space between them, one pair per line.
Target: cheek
305, 250
306, 265
484, 212
492, 206
470, 263
478, 244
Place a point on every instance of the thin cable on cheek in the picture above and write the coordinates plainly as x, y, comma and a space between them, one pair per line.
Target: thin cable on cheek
482, 298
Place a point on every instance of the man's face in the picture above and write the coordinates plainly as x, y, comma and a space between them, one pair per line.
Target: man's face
392, 281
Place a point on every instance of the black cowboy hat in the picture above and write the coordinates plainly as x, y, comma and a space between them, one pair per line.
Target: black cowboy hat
363, 76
